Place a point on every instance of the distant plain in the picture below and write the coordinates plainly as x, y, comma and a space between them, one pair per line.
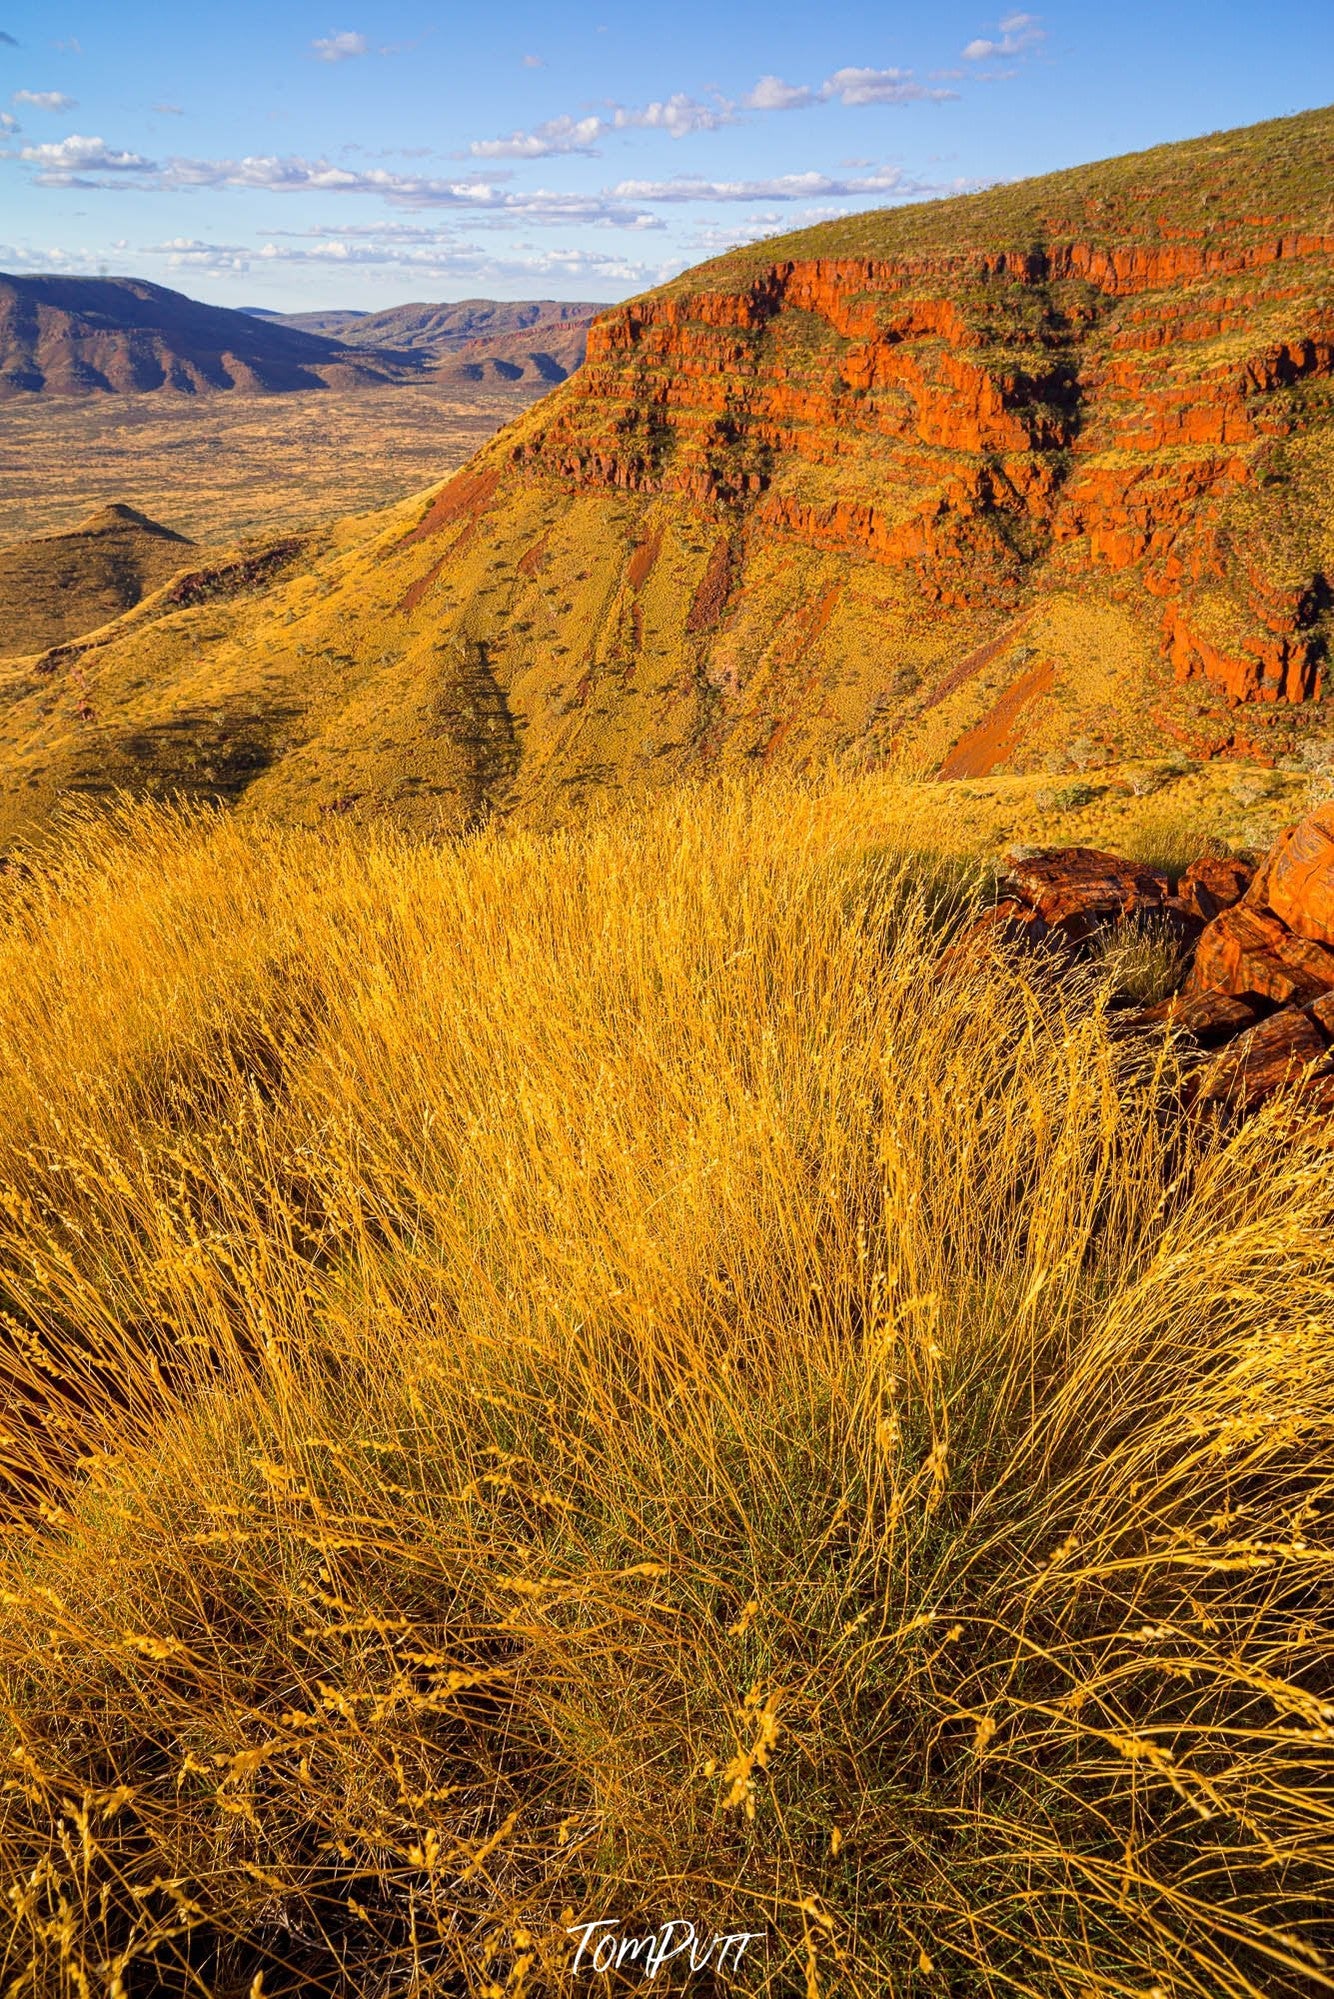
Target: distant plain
226, 466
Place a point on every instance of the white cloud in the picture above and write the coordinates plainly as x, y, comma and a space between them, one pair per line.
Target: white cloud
169, 110
845, 86
20, 257
785, 187
44, 100
558, 135
64, 159
65, 164
680, 115
450, 259
84, 162
676, 115
852, 86
340, 46
9, 123
188, 253
1016, 34
772, 94
879, 86
423, 252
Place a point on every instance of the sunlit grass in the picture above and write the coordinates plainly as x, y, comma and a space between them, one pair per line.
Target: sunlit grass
579, 1377
1141, 960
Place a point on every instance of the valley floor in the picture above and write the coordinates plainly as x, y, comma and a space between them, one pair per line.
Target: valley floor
231, 465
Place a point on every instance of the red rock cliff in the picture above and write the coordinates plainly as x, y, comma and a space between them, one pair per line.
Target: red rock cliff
965, 418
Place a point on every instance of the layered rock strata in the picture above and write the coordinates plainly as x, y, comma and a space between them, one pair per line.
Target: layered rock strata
961, 421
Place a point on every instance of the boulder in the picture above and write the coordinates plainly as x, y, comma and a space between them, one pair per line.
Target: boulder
1210, 1017
1296, 881
1075, 890
1007, 923
1180, 917
1316, 1097
1260, 1061
1012, 921
1248, 952
1260, 993
1213, 883
1062, 896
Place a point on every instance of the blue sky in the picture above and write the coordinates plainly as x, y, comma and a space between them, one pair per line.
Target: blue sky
348, 154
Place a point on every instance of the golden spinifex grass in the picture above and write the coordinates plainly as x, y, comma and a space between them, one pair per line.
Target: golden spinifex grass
577, 1379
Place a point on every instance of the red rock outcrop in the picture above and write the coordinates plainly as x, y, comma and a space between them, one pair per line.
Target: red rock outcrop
1214, 883
958, 415
1264, 668
1275, 949
1076, 888
1277, 942
1259, 994
1062, 896
1251, 953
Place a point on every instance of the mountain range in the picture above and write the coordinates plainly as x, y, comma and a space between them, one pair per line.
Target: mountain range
471, 340
87, 336
1024, 480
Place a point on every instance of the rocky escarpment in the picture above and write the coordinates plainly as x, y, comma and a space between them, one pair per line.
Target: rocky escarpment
965, 419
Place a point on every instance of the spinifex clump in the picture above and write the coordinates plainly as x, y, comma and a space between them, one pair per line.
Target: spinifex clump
581, 1379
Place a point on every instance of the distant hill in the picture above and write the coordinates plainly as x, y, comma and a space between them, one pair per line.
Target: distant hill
59, 586
471, 340
88, 336
442, 328
548, 353
333, 324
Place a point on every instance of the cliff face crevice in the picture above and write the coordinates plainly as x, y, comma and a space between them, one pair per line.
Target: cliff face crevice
961, 418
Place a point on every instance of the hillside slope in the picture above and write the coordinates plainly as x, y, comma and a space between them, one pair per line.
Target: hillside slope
1031, 479
547, 353
55, 586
